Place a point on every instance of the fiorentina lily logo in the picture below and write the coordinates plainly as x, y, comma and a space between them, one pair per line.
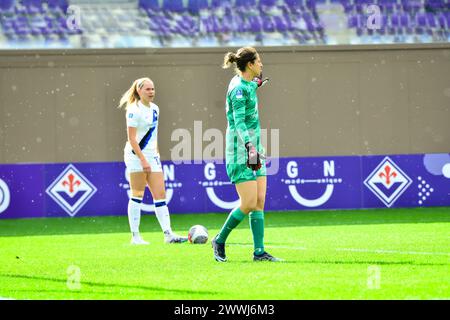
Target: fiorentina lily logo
387, 182
71, 190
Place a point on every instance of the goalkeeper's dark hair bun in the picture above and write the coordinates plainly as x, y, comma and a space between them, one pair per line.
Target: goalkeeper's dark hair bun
241, 58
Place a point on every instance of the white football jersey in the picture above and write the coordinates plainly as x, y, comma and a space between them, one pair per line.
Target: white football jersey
145, 119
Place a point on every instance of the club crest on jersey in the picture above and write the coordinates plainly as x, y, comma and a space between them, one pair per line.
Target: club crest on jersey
130, 115
71, 190
239, 94
387, 182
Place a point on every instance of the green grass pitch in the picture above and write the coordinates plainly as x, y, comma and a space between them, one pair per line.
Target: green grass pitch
360, 254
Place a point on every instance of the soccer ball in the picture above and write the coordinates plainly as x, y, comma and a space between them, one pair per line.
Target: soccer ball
198, 234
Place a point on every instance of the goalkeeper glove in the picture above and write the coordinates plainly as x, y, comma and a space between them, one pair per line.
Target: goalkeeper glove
260, 81
253, 157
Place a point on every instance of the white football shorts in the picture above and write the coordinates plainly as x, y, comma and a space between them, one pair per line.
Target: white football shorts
133, 163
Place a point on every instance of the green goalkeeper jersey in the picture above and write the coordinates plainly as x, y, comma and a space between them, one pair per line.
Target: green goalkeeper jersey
243, 120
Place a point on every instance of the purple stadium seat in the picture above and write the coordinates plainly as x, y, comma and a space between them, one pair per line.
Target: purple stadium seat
227, 23
208, 24
411, 5
189, 28
280, 24
245, 3
174, 5
431, 20
309, 21
6, 5
194, 6
352, 21
151, 6
220, 3
395, 20
240, 25
386, 3
293, 3
421, 20
288, 21
348, 7
295, 6
311, 27
404, 20
268, 24
267, 3
442, 21
33, 6
63, 4
218, 25
436, 4
311, 4
384, 20
255, 24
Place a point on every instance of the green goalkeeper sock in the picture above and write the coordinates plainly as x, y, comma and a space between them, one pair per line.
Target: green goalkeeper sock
234, 218
257, 226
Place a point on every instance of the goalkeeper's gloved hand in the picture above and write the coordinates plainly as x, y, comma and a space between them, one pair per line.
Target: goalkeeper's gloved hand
253, 157
260, 81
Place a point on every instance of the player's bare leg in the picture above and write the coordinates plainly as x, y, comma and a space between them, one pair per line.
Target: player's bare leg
155, 182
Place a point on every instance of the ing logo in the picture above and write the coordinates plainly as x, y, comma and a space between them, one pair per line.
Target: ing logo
295, 183
211, 182
4, 196
71, 190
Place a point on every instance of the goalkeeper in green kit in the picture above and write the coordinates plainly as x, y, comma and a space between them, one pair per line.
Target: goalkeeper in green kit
245, 163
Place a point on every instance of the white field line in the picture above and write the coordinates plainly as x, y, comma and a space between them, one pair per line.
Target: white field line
394, 251
380, 251
275, 246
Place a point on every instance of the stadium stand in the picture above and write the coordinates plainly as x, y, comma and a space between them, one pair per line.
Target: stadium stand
209, 23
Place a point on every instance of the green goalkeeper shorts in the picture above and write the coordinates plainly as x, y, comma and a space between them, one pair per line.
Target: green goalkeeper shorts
241, 173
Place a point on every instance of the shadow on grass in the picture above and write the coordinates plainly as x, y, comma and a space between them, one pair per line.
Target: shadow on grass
214, 221
80, 293
108, 285
337, 262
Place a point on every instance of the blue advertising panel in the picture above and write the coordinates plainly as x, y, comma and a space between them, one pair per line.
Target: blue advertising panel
313, 183
406, 181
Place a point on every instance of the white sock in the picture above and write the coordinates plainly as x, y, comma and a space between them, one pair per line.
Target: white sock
136, 235
134, 215
162, 214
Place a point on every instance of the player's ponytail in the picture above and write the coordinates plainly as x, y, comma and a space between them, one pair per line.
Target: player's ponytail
242, 57
229, 59
131, 95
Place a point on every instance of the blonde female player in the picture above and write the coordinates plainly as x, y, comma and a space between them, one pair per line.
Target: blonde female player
142, 159
244, 164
